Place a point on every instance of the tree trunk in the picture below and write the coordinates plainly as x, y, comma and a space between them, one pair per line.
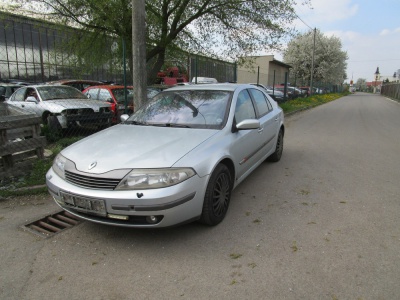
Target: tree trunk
155, 68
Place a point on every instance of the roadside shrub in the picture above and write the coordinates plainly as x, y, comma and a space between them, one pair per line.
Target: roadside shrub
308, 102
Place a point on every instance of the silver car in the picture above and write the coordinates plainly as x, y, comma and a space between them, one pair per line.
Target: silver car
61, 106
176, 160
278, 96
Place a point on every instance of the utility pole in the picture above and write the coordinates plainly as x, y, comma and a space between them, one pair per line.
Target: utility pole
139, 75
312, 65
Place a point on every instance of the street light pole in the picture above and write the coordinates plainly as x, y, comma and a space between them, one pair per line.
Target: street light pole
312, 65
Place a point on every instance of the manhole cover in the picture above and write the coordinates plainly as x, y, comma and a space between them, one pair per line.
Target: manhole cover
52, 224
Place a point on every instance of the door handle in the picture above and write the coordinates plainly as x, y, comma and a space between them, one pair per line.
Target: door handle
260, 129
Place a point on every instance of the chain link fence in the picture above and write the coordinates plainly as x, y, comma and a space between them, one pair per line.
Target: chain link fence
32, 51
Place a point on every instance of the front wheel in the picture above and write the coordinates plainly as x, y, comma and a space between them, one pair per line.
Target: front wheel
217, 197
276, 156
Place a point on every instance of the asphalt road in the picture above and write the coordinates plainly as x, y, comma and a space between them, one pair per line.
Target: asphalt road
323, 223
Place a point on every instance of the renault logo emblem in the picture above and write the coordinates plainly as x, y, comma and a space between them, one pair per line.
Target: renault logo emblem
92, 165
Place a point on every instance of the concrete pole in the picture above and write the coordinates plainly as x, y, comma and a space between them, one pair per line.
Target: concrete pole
312, 65
139, 75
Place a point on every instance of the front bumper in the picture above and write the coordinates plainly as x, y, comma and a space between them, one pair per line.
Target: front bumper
162, 207
93, 119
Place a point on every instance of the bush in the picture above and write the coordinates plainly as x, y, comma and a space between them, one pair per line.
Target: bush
314, 100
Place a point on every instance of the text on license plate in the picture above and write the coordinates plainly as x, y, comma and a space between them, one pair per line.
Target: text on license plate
85, 204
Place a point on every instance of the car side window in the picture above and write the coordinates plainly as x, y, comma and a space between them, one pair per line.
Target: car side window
93, 93
104, 95
268, 99
19, 95
244, 107
261, 102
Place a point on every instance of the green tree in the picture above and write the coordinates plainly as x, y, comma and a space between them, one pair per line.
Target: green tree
221, 28
329, 58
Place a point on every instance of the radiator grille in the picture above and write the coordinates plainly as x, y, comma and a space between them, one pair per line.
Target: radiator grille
91, 182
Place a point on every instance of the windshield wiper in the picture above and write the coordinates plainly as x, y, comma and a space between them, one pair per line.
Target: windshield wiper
176, 125
136, 123
170, 125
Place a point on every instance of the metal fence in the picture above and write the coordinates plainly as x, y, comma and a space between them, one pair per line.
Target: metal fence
391, 90
200, 66
36, 51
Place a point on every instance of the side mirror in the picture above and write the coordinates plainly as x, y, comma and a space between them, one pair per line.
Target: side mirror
31, 99
110, 100
248, 124
88, 96
2, 98
124, 117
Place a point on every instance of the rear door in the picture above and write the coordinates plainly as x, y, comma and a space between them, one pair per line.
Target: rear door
269, 122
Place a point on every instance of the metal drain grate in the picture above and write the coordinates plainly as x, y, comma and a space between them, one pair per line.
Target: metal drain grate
55, 223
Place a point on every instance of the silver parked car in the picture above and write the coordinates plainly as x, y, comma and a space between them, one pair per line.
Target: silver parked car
62, 106
176, 160
7, 89
278, 96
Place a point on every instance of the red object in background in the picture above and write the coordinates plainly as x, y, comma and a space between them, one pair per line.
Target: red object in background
171, 76
113, 94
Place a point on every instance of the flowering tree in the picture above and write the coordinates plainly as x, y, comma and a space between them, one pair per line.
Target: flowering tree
329, 58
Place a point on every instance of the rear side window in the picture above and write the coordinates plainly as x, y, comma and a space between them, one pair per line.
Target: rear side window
261, 102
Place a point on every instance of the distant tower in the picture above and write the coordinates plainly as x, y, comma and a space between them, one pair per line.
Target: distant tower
377, 79
377, 74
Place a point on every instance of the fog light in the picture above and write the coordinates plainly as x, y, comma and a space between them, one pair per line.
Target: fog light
151, 219
118, 217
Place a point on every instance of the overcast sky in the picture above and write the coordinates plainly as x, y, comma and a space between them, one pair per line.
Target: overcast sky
369, 31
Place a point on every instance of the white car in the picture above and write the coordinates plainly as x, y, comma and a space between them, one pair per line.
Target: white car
62, 106
204, 80
175, 160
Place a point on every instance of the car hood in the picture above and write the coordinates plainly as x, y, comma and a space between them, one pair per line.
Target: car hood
60, 105
130, 146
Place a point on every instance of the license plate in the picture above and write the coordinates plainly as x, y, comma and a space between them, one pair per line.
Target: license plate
83, 204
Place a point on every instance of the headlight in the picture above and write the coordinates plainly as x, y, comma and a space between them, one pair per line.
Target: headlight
154, 178
59, 164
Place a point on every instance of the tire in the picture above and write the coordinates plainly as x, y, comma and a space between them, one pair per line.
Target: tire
276, 156
217, 197
53, 124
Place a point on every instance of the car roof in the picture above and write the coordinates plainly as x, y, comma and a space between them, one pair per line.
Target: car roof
212, 86
11, 84
48, 85
108, 86
65, 81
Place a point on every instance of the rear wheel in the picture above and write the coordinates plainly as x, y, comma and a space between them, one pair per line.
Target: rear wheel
217, 197
276, 156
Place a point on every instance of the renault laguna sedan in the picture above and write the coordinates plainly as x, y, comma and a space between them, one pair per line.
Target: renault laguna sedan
176, 160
